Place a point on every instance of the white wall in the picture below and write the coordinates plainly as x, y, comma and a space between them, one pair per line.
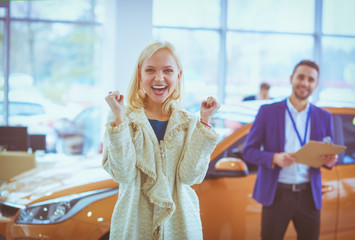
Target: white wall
128, 28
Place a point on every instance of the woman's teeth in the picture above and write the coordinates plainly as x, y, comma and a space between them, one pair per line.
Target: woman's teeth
159, 87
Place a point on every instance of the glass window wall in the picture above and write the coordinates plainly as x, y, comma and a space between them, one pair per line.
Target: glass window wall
55, 56
256, 41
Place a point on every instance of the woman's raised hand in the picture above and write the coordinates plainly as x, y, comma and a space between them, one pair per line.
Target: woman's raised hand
115, 101
208, 108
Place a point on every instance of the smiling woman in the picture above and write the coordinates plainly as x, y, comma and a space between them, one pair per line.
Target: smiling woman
156, 150
160, 79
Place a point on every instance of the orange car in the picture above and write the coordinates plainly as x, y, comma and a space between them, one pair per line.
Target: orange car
74, 199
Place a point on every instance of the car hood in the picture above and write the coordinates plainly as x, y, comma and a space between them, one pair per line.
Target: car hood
69, 176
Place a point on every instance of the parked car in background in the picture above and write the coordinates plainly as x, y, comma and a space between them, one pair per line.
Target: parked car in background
74, 199
83, 134
34, 117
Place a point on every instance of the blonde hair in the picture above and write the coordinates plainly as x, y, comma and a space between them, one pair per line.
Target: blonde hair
136, 97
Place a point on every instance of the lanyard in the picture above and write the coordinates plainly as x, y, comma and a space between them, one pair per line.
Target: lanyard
294, 125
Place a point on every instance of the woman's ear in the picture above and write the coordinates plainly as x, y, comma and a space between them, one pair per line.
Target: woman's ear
179, 75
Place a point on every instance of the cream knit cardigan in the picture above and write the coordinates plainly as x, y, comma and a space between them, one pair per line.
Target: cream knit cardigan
155, 198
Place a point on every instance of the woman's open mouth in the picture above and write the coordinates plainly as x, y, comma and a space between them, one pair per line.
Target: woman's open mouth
159, 90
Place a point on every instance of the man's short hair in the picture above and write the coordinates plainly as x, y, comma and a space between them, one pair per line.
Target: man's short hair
265, 86
308, 63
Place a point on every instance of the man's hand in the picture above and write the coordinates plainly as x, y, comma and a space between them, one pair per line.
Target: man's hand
329, 160
283, 159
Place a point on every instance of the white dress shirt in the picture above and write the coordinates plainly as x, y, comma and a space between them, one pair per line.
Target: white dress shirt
296, 173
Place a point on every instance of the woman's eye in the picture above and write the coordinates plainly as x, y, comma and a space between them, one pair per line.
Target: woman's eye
149, 70
168, 70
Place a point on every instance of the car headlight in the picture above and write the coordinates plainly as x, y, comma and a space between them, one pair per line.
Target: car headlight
60, 209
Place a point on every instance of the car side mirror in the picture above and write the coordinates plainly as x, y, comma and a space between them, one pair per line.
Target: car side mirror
232, 167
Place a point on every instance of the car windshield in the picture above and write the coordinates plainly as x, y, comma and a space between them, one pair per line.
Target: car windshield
230, 118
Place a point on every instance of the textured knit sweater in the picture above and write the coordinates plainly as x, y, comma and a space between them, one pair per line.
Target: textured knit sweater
155, 199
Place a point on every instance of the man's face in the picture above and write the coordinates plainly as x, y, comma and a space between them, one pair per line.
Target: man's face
304, 81
264, 93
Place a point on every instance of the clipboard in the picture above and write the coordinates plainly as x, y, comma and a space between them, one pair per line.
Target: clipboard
310, 153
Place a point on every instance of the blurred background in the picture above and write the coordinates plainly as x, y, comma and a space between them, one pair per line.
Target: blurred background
60, 58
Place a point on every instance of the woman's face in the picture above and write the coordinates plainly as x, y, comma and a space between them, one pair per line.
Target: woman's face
159, 75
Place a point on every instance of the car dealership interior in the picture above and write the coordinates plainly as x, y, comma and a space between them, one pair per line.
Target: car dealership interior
60, 59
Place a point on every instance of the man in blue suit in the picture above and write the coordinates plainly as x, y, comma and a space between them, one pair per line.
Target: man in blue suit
289, 191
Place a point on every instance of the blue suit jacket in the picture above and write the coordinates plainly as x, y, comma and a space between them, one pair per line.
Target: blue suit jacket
268, 131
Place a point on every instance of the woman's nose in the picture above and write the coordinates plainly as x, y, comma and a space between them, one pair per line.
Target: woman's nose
159, 76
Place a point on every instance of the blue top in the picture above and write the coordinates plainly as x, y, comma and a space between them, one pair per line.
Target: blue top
159, 128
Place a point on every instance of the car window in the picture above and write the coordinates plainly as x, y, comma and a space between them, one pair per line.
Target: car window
83, 115
344, 131
225, 123
225, 127
87, 116
232, 152
230, 118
